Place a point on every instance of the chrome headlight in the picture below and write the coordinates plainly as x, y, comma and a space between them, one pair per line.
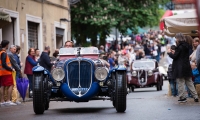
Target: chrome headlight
150, 73
101, 73
58, 74
134, 73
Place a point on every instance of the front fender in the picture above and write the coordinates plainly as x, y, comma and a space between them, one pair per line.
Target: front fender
38, 69
41, 69
120, 68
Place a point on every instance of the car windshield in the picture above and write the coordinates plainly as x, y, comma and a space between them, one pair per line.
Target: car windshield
144, 65
83, 50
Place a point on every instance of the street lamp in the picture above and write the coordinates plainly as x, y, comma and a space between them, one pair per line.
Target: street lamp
64, 20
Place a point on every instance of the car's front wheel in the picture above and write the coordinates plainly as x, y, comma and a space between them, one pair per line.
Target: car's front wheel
47, 101
133, 88
113, 88
159, 86
38, 93
120, 91
113, 102
47, 105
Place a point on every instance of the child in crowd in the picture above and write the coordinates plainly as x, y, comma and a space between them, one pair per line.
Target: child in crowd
172, 80
196, 75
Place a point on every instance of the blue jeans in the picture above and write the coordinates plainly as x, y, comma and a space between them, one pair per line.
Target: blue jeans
158, 57
30, 78
174, 87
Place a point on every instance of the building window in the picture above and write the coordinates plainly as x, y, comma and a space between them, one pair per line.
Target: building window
32, 35
59, 37
8, 31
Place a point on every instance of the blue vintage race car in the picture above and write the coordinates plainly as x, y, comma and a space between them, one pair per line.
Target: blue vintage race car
80, 76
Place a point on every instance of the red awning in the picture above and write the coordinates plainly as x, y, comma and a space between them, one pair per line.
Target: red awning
167, 14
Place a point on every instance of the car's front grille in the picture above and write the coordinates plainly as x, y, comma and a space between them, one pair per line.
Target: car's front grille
79, 76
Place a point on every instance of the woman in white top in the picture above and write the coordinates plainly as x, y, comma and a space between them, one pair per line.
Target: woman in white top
195, 43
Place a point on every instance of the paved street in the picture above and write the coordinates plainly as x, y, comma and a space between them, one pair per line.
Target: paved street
143, 104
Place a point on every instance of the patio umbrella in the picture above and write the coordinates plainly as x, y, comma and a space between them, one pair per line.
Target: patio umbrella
22, 85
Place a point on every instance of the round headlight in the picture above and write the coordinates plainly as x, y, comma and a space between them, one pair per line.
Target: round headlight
58, 74
101, 73
134, 73
150, 72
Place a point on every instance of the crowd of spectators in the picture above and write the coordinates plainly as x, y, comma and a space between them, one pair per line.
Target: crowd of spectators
155, 45
151, 45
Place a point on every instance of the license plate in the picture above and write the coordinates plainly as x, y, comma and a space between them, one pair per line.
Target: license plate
58, 83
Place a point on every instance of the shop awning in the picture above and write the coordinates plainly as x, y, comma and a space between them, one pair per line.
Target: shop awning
4, 18
183, 23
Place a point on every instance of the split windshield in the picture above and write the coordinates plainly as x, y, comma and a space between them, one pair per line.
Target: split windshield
144, 64
73, 51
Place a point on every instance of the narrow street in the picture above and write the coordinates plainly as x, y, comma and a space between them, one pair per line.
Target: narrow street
81, 50
143, 104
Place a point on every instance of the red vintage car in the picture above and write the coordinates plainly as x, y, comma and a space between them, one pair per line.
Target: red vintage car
145, 73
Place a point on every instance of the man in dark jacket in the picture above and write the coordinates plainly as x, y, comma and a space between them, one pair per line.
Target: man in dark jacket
45, 59
13, 60
182, 71
18, 72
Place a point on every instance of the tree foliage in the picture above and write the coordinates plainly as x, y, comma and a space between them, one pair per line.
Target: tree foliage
92, 17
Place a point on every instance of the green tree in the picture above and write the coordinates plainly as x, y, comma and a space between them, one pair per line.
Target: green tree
93, 17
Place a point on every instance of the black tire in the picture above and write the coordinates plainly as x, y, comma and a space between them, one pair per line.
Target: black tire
47, 105
120, 91
46, 93
158, 86
161, 83
113, 89
113, 102
132, 88
38, 93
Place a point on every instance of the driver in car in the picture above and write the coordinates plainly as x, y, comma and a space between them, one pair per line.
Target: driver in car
68, 44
